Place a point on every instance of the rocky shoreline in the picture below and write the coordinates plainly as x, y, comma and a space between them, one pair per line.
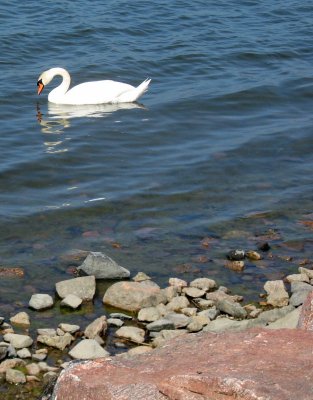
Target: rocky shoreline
149, 317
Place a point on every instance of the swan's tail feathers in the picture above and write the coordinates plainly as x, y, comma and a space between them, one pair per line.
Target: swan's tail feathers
142, 88
132, 95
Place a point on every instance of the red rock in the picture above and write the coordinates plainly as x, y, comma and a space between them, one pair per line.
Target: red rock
258, 364
306, 315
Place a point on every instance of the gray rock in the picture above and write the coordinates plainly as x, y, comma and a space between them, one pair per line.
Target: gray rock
149, 314
136, 335
40, 301
277, 294
11, 351
24, 353
115, 322
231, 308
197, 323
298, 297
289, 321
18, 341
178, 303
221, 295
170, 292
96, 328
21, 318
88, 349
102, 266
133, 296
179, 320
225, 324
160, 325
69, 328
15, 376
203, 284
269, 316
39, 356
167, 335
58, 342
71, 301
189, 311
300, 287
46, 331
121, 316
211, 313
193, 292
3, 352
306, 271
140, 277
83, 287
297, 278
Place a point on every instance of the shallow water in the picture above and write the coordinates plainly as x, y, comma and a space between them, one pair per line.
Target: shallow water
220, 146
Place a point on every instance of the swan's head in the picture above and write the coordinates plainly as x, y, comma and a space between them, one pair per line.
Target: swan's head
44, 79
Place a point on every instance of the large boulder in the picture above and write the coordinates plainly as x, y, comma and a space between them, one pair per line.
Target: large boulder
197, 366
132, 296
102, 266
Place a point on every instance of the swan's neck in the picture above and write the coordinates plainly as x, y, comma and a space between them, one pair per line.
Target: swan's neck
60, 90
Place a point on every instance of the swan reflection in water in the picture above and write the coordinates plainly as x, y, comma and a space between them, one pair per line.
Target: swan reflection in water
58, 119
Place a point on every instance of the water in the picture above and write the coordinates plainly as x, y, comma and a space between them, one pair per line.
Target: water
220, 146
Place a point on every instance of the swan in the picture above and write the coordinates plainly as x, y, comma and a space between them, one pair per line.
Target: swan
96, 92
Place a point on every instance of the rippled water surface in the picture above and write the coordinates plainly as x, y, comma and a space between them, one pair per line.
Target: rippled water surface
220, 146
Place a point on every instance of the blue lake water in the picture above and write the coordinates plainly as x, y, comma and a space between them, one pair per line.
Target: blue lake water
220, 146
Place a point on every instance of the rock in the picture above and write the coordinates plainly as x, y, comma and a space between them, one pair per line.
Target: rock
221, 295
231, 308
71, 301
204, 304
58, 342
139, 350
15, 376
247, 370
189, 311
277, 294
177, 303
39, 357
211, 313
300, 287
18, 341
166, 335
307, 272
149, 314
44, 367
300, 291
83, 287
15, 272
297, 278
197, 323
160, 325
203, 284
237, 266
289, 321
24, 353
193, 292
49, 377
88, 349
21, 318
140, 277
170, 292
253, 255
136, 335
10, 363
269, 316
97, 328
180, 283
69, 328
132, 296
11, 351
121, 316
115, 322
236, 255
33, 369
263, 246
102, 266
46, 331
225, 324
179, 320
306, 316
40, 301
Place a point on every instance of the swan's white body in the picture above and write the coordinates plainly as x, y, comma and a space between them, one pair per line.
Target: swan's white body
97, 92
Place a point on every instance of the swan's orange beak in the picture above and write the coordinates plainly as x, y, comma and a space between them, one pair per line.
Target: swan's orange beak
40, 86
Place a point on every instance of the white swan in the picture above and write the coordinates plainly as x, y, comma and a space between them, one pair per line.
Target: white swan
96, 92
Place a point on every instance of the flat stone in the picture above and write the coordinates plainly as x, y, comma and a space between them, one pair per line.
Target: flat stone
41, 301
177, 303
203, 284
149, 314
231, 308
225, 324
121, 316
251, 368
71, 301
289, 321
58, 342
70, 328
160, 325
306, 316
15, 376
298, 297
83, 287
96, 328
21, 318
18, 341
39, 357
193, 292
133, 296
88, 349
277, 294
46, 331
115, 322
136, 335
102, 266
24, 353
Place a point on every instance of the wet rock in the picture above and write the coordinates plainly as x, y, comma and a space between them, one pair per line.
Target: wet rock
136, 335
236, 255
24, 353
132, 296
193, 292
115, 322
297, 278
277, 294
140, 277
71, 301
263, 246
179, 320
18, 341
83, 287
178, 303
149, 314
231, 308
11, 351
88, 349
15, 376
58, 342
21, 318
41, 301
253, 255
102, 266
96, 328
237, 266
70, 328
203, 284
306, 316
289, 321
160, 325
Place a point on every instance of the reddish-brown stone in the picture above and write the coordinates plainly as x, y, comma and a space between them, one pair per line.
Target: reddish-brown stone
258, 364
306, 315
